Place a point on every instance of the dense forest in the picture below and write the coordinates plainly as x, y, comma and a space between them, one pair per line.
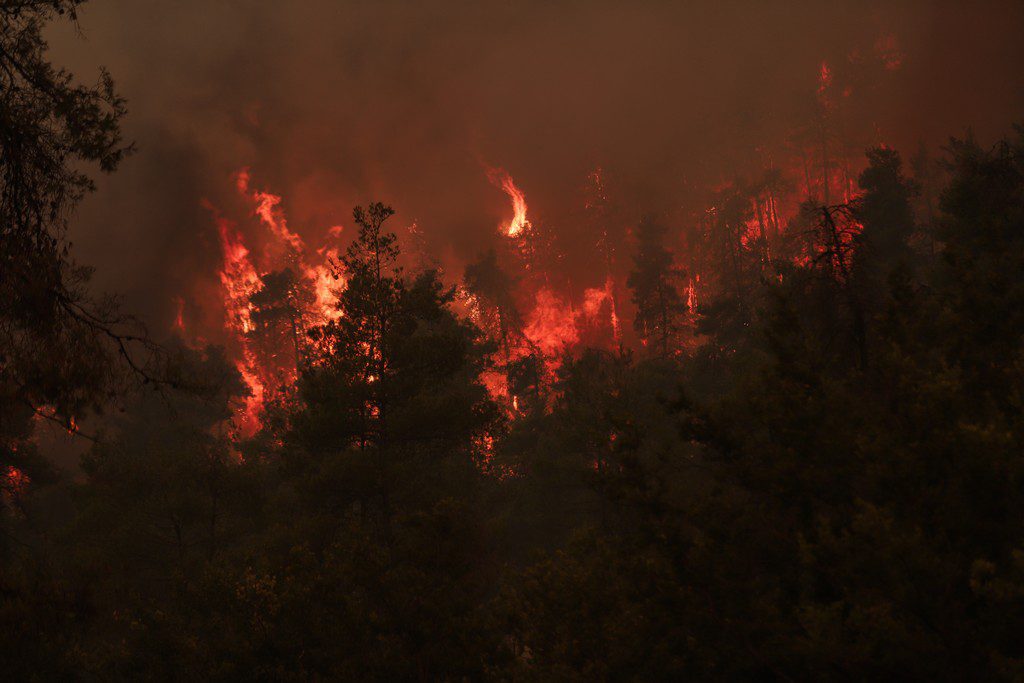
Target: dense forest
814, 473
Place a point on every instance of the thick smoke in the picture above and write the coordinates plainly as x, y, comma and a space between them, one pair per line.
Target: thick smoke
333, 103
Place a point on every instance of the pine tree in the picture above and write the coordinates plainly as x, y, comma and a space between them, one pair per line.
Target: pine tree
279, 307
656, 284
397, 377
382, 454
886, 215
63, 351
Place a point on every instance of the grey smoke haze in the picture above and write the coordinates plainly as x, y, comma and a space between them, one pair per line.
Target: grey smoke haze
337, 103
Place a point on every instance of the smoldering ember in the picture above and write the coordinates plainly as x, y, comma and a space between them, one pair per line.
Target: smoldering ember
499, 340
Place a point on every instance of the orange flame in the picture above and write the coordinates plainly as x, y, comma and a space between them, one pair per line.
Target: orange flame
238, 277
249, 422
267, 209
326, 285
594, 300
552, 324
519, 222
239, 281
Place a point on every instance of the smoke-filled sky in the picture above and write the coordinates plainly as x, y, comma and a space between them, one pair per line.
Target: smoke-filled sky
334, 103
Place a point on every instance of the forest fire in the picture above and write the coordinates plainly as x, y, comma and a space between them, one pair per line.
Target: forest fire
294, 288
240, 282
713, 374
759, 219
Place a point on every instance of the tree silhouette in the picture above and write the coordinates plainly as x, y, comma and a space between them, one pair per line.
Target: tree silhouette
60, 345
656, 283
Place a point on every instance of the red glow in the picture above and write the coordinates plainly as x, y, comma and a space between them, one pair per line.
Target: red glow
241, 276
266, 207
15, 485
179, 315
756, 214
519, 223
598, 299
824, 77
551, 326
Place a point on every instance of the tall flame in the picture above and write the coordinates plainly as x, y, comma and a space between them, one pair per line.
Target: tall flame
326, 284
266, 207
241, 278
519, 223
238, 278
551, 326
239, 281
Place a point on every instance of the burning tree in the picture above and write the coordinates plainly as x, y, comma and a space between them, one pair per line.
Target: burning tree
494, 291
268, 312
280, 312
397, 379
